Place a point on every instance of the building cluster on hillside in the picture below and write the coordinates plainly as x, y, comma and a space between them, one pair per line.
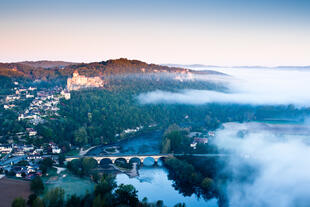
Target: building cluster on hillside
20, 94
200, 138
23, 149
22, 160
28, 172
44, 104
78, 82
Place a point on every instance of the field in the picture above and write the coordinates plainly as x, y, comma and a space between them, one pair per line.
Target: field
12, 188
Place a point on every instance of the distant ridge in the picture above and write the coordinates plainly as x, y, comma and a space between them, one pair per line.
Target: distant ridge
191, 66
242, 66
46, 64
47, 70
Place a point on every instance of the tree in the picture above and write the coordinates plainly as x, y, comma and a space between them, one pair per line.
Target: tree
31, 199
180, 205
127, 194
159, 203
88, 164
19, 202
207, 184
98, 202
74, 201
37, 203
166, 146
48, 162
54, 198
37, 185
106, 186
45, 164
23, 174
80, 136
61, 159
75, 166
175, 140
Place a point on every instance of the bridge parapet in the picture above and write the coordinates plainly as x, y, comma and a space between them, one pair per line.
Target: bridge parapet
113, 158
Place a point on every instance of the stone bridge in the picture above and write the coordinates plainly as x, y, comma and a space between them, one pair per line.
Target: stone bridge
127, 158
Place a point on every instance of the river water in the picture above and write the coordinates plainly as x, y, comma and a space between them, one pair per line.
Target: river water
152, 182
146, 143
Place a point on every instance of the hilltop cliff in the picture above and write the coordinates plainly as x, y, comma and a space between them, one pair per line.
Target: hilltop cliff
80, 81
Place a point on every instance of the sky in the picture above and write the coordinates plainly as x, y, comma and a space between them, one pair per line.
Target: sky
222, 32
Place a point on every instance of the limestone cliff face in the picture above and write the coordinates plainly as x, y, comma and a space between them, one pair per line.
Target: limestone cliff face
80, 81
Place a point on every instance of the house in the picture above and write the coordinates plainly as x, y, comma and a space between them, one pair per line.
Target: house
10, 98
193, 145
56, 150
29, 96
8, 106
32, 88
28, 148
198, 140
201, 140
6, 148
211, 133
32, 133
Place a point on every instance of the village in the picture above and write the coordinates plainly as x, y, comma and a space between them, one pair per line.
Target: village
22, 161
43, 104
33, 106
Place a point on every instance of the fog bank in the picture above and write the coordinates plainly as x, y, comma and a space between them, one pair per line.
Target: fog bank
245, 86
281, 175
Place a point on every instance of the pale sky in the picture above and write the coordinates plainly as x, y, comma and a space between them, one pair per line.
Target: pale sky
222, 32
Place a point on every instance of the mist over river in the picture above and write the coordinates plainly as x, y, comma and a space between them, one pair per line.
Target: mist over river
264, 147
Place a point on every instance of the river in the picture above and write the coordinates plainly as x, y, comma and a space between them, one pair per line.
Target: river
152, 183
145, 143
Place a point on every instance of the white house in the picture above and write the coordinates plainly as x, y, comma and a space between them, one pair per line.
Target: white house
5, 149
56, 150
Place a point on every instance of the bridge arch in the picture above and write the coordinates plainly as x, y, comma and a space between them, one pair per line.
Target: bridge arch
135, 160
105, 161
148, 161
120, 160
160, 160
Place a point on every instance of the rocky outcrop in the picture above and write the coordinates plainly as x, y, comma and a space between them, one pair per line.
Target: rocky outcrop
78, 82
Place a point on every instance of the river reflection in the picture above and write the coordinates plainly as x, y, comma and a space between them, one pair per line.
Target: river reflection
153, 183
